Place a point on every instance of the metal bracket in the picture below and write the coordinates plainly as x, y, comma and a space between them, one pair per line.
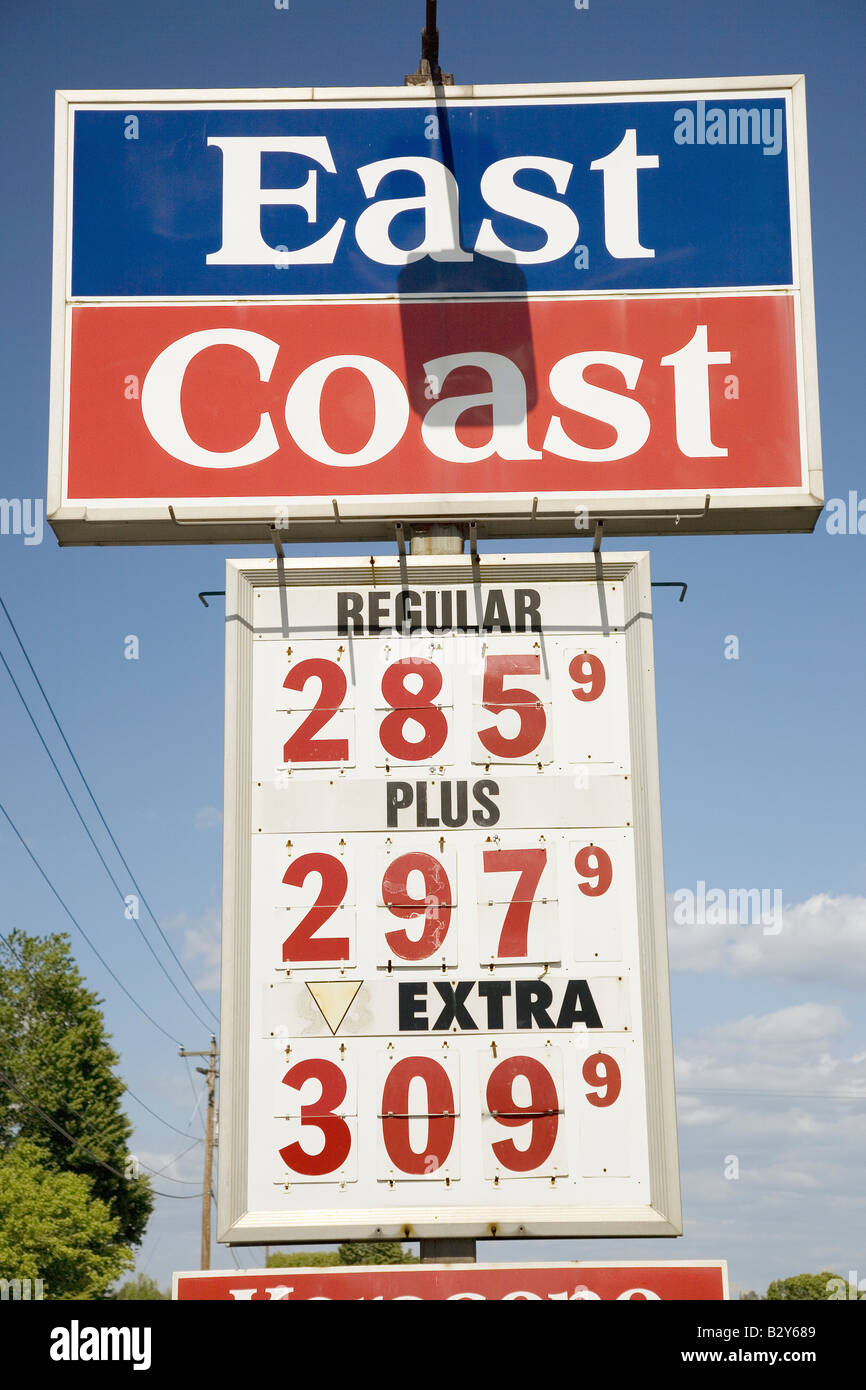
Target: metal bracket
671, 584
473, 542
211, 593
401, 538
596, 544
278, 544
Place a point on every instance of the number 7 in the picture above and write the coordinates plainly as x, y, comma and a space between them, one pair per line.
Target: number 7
529, 865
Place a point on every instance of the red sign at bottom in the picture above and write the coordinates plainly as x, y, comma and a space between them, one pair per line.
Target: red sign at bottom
622, 1281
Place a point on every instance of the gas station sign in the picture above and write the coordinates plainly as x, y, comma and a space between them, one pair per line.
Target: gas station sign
533, 307
650, 1281
445, 1002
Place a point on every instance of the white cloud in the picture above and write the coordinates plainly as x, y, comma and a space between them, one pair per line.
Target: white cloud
821, 940
765, 1089
793, 1050
207, 818
201, 944
163, 1168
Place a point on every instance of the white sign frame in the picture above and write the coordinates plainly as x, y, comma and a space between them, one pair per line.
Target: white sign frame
661, 1213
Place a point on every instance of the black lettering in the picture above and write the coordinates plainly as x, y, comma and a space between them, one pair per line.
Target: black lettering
577, 992
438, 610
450, 817
489, 813
532, 998
407, 613
398, 795
494, 991
454, 1007
412, 1006
350, 606
527, 604
462, 623
424, 821
377, 602
496, 613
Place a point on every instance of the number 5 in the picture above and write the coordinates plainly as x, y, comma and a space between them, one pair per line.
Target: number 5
494, 696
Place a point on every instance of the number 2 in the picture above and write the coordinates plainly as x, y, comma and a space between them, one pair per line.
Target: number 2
303, 944
302, 747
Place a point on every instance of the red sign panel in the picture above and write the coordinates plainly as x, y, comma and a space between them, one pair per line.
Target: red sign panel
560, 399
577, 1282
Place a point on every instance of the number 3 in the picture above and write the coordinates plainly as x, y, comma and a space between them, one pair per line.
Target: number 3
320, 1113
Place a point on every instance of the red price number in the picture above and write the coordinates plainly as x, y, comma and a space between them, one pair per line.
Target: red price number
303, 747
434, 905
303, 944
587, 671
319, 1114
603, 1073
439, 1113
413, 705
528, 864
594, 866
496, 697
540, 1113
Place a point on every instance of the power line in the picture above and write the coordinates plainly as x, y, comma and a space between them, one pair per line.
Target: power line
197, 1099
184, 1133
79, 927
123, 861
7, 1081
158, 1172
87, 831
784, 1095
35, 978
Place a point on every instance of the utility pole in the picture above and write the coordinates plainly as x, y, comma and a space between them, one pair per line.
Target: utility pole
211, 1073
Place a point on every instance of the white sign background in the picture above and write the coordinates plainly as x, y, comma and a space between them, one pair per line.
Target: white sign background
324, 799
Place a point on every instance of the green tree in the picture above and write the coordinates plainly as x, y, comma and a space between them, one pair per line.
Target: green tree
55, 1054
351, 1252
52, 1227
374, 1252
806, 1286
140, 1288
299, 1259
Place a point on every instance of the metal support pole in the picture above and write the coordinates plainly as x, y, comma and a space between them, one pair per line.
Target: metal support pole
437, 539
428, 68
444, 1250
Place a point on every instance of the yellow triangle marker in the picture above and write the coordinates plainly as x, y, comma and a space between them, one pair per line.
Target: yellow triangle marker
334, 999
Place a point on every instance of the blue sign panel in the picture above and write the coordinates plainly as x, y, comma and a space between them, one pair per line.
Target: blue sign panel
522, 197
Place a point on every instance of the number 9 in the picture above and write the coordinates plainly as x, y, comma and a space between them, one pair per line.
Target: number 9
587, 671
603, 1072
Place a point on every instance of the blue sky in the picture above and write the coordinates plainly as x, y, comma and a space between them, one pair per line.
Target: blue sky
762, 758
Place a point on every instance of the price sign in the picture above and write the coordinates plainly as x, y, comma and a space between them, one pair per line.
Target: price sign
445, 996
